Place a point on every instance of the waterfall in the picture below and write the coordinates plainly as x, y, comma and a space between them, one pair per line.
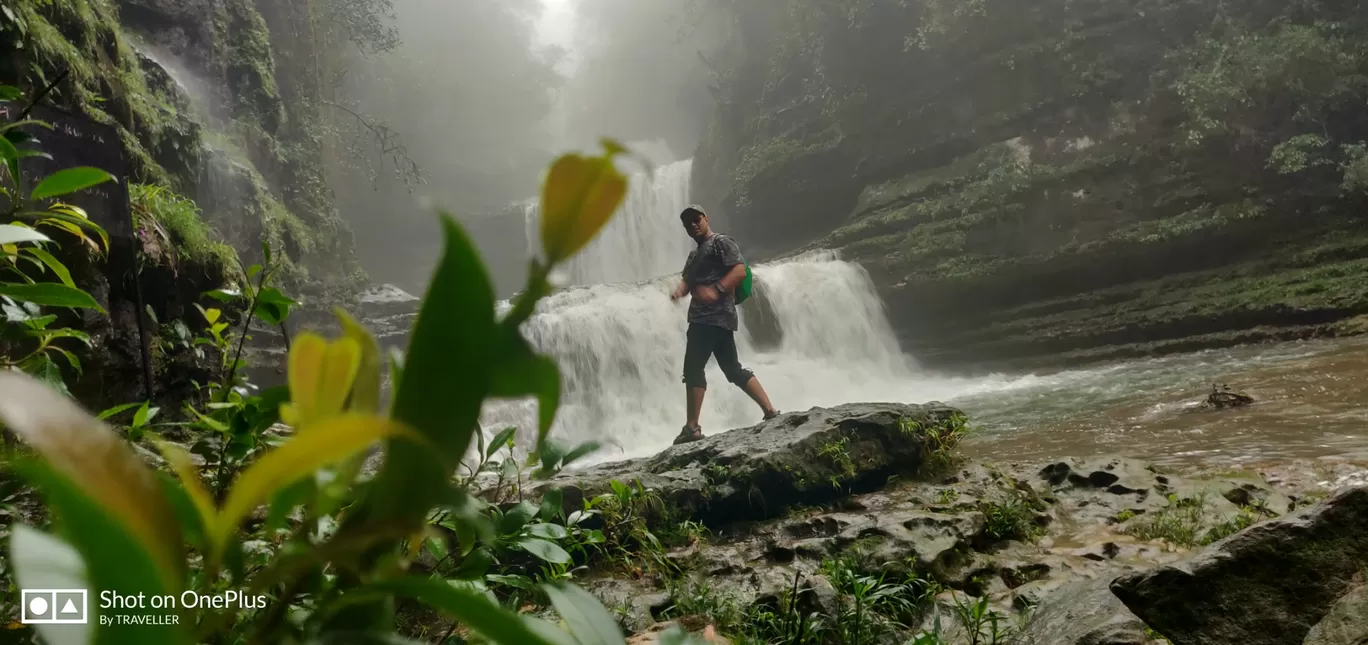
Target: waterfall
645, 239
815, 334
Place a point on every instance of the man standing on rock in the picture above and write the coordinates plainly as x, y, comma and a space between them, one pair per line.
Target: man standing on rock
711, 275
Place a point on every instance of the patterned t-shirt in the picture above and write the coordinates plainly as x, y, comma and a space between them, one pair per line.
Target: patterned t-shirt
708, 264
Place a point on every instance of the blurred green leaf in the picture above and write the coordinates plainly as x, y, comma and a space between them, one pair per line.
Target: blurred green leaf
519, 371
70, 180
91, 466
589, 621
115, 559
477, 611
328, 441
185, 470
444, 382
50, 294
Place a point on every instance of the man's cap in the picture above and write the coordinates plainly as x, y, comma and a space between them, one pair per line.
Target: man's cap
692, 208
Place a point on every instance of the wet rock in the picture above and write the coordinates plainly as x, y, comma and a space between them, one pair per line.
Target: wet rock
695, 625
1223, 397
1099, 489
1346, 624
1082, 613
1266, 585
379, 301
634, 602
799, 458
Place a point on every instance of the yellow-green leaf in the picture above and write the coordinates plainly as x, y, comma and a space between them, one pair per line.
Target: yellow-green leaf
74, 216
98, 463
578, 198
53, 263
185, 469
329, 440
366, 390
321, 376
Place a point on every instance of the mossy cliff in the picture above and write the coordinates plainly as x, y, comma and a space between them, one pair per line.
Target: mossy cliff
1061, 180
202, 108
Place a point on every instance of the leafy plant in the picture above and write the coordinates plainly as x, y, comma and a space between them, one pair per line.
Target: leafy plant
941, 439
31, 275
985, 626
331, 558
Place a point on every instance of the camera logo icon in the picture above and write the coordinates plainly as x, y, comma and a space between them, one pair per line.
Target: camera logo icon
53, 606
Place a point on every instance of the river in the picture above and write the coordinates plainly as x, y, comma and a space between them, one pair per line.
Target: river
1311, 401
816, 334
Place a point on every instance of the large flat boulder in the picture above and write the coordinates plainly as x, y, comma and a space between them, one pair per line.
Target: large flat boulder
1347, 622
1266, 585
1082, 613
800, 458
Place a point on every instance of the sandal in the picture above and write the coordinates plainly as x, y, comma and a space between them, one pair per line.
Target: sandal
772, 415
688, 435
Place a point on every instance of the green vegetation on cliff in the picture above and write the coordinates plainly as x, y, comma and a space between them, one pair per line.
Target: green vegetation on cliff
171, 225
88, 52
991, 161
77, 47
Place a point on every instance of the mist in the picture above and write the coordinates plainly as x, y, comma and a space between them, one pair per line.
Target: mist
478, 96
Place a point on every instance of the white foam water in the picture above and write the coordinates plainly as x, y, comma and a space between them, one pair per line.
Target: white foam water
619, 338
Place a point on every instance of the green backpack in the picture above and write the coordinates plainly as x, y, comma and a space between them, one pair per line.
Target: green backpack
743, 290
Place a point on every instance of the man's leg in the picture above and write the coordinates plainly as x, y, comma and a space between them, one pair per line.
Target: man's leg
697, 351
743, 378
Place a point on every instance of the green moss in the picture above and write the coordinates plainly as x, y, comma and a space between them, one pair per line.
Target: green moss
243, 43
1187, 223
106, 80
1190, 522
179, 219
780, 151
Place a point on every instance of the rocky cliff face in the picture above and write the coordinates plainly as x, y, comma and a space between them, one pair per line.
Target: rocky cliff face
211, 98
1057, 180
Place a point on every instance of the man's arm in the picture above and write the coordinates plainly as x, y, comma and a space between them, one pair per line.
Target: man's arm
682, 289
733, 278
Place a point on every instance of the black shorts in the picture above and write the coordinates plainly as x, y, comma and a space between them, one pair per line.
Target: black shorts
709, 340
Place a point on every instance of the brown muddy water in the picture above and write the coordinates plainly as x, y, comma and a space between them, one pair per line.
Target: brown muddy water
1311, 402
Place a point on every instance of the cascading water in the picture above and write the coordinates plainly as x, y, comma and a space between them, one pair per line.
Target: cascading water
644, 240
815, 334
